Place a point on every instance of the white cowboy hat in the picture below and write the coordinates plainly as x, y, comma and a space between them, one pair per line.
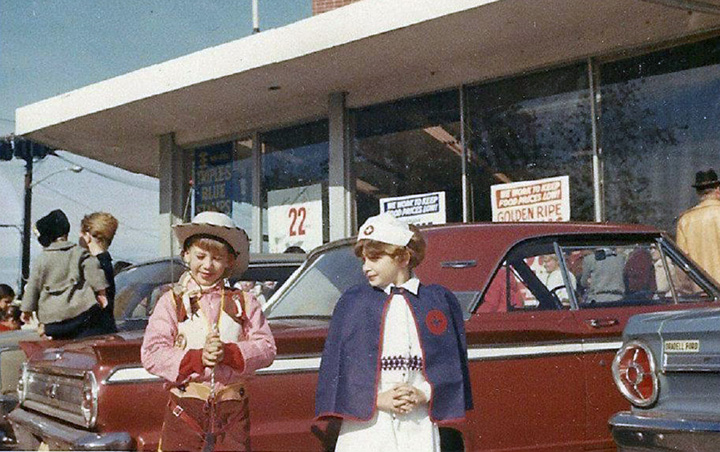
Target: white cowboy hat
219, 225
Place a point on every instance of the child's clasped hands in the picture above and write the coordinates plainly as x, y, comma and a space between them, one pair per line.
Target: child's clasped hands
213, 352
401, 399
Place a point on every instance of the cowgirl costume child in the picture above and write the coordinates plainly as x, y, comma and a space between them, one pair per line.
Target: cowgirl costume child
205, 338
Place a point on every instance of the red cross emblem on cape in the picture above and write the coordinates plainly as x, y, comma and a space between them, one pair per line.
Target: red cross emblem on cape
436, 322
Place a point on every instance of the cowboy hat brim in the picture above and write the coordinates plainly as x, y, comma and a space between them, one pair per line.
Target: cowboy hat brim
235, 237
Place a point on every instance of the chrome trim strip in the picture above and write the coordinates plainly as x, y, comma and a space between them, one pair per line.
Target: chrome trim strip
601, 346
706, 362
311, 363
55, 371
291, 365
124, 375
480, 354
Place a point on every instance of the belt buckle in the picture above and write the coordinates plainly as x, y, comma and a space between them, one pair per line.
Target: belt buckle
177, 411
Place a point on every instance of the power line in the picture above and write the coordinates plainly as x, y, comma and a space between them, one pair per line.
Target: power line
7, 120
123, 223
98, 173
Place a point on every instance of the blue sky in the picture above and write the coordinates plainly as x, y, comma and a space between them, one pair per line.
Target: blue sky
49, 47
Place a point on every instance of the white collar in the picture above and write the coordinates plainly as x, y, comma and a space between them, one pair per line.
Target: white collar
412, 285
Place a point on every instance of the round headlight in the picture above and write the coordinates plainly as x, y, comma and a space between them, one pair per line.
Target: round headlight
634, 372
88, 404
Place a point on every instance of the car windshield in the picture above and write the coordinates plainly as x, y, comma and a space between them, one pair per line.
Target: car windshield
315, 291
138, 288
134, 290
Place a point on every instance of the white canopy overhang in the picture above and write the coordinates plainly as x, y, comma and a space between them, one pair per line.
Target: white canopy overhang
374, 50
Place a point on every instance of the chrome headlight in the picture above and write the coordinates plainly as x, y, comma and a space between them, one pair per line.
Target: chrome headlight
22, 383
89, 403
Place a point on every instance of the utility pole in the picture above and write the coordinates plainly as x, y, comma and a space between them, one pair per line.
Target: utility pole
256, 17
27, 212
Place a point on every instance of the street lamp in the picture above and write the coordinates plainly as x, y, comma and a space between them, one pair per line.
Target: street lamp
74, 169
29, 184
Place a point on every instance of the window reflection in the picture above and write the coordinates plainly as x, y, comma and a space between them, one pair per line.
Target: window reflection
528, 128
292, 158
409, 147
659, 126
223, 180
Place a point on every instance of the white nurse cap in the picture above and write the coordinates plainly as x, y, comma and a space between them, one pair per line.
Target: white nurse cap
386, 229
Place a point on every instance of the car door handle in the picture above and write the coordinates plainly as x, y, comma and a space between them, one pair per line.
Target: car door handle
602, 323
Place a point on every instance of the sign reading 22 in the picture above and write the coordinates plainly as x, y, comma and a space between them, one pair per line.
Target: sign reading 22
298, 216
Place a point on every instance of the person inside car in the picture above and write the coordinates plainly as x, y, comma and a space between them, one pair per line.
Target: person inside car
414, 331
205, 339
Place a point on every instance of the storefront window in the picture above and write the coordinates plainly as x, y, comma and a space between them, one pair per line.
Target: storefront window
659, 126
532, 127
223, 180
409, 147
295, 174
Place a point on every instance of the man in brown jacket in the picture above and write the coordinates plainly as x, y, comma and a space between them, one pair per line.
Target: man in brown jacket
698, 229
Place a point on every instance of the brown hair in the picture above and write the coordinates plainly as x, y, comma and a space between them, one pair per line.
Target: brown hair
414, 250
100, 225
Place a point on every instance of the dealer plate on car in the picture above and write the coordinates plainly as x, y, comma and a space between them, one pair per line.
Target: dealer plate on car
682, 346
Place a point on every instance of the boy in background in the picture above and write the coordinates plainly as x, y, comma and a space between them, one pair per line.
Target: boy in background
97, 231
66, 286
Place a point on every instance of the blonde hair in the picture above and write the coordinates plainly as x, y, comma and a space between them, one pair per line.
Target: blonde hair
414, 250
100, 225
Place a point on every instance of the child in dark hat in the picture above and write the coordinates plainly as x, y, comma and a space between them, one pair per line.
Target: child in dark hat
66, 285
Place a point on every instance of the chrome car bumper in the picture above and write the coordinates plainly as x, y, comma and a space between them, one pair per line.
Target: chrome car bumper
31, 429
640, 433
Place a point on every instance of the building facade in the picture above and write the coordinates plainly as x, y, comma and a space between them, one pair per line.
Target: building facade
623, 100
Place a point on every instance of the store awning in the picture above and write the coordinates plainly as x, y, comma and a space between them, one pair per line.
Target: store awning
374, 50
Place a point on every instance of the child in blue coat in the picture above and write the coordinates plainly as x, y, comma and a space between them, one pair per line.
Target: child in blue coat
395, 360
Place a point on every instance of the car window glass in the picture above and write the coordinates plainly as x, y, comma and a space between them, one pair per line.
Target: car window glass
687, 288
262, 290
629, 274
532, 278
317, 289
135, 285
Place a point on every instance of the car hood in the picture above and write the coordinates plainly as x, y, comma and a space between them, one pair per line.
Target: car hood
297, 335
85, 353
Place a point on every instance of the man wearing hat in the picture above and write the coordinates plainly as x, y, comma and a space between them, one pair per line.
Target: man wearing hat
698, 229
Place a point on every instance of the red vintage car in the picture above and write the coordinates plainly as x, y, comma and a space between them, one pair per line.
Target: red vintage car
545, 305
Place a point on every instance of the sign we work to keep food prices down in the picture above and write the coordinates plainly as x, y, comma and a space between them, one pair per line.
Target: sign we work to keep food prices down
535, 200
422, 209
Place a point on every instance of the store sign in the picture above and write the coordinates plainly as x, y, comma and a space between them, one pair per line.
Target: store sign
295, 218
213, 180
537, 200
427, 208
